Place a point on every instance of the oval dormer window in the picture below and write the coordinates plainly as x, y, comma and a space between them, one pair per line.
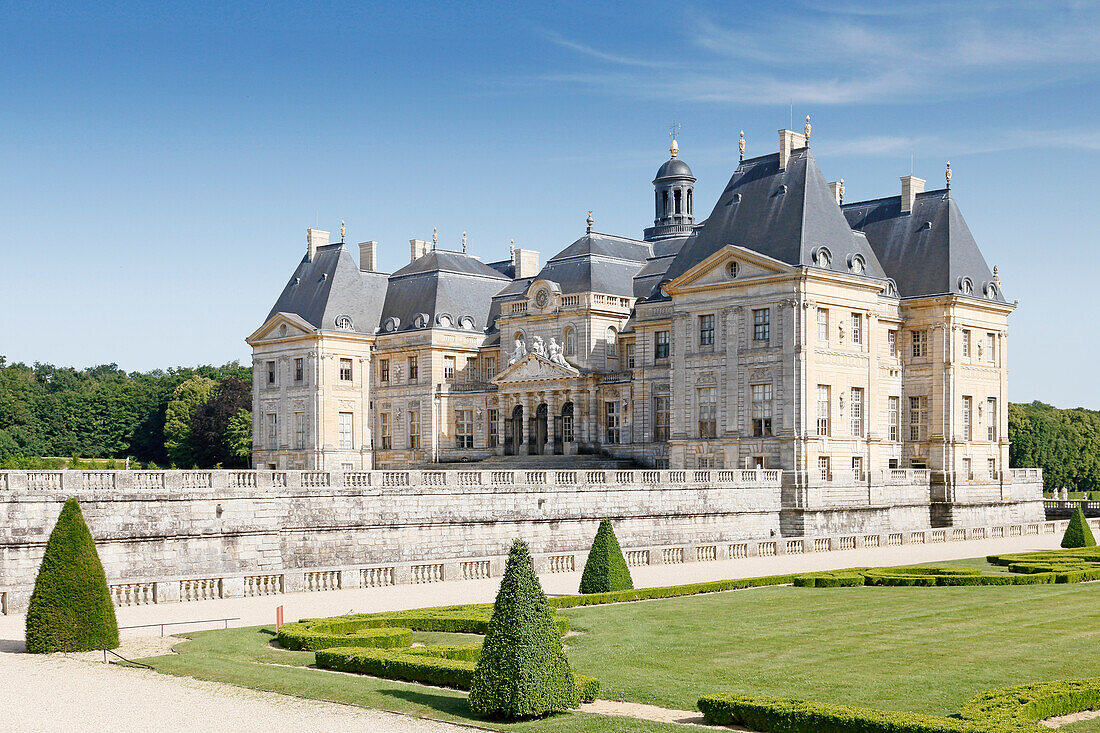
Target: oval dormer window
391, 324
466, 322
991, 291
421, 320
856, 264
733, 268
891, 289
822, 257
966, 286
445, 320
344, 323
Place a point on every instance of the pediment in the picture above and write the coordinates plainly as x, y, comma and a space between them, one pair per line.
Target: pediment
533, 368
282, 325
715, 270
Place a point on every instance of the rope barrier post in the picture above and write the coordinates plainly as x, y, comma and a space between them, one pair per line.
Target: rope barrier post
278, 617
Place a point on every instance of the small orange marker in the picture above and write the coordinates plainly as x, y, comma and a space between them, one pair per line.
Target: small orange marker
278, 617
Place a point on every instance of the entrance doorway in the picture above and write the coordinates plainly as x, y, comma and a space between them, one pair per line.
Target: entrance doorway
538, 431
513, 432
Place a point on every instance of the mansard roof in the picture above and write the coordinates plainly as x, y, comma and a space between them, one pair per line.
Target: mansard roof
332, 285
442, 283
928, 251
602, 263
784, 213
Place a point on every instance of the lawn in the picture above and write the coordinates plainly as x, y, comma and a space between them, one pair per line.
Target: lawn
918, 649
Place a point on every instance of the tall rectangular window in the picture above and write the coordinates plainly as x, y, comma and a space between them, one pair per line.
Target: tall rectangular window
464, 428
919, 340
823, 324
857, 328
490, 363
611, 412
345, 431
892, 342
857, 468
823, 409
968, 409
630, 356
761, 410
708, 411
706, 330
968, 471
991, 346
385, 432
991, 419
856, 412
823, 468
448, 367
966, 343
414, 368
567, 430
299, 371
761, 324
893, 410
494, 428
917, 415
993, 468
661, 345
384, 370
414, 429
272, 431
299, 431
270, 374
345, 370
660, 419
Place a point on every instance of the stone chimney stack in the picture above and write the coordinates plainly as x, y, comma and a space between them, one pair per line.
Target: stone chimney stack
526, 262
910, 187
789, 141
315, 238
418, 248
368, 256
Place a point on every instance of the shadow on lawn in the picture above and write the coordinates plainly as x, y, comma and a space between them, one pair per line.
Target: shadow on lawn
449, 704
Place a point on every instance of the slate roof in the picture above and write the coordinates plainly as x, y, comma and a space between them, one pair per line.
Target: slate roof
673, 168
332, 285
928, 251
603, 263
653, 272
442, 282
785, 214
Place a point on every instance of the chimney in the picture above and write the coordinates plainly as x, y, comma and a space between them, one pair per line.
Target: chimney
910, 187
368, 256
315, 238
527, 262
789, 141
418, 248
837, 189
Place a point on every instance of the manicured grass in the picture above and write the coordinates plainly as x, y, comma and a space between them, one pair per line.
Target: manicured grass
978, 563
918, 649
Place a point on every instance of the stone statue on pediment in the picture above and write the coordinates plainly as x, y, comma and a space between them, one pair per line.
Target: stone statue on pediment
518, 352
555, 353
538, 348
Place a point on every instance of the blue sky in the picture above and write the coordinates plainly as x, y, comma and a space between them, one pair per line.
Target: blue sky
161, 162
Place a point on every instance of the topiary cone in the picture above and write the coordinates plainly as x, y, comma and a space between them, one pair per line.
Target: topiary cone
606, 568
1078, 533
70, 608
522, 671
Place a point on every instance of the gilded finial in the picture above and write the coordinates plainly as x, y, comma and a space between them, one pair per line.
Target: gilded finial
741, 145
947, 175
463, 241
512, 249
806, 130
592, 221
343, 229
435, 237
673, 131
841, 192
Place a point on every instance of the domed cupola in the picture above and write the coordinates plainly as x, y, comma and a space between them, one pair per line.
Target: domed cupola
674, 198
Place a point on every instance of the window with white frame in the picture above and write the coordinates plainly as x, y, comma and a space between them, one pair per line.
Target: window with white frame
857, 468
857, 328
570, 341
414, 429
384, 370
991, 419
991, 347
629, 348
270, 374
345, 424
823, 324
918, 408
823, 468
761, 324
567, 429
662, 345
448, 367
345, 370
707, 399
414, 368
660, 418
967, 412
893, 408
272, 431
609, 343
761, 410
299, 370
611, 413
892, 342
494, 428
919, 340
490, 367
993, 468
968, 472
855, 408
464, 428
385, 434
706, 330
966, 343
824, 407
299, 431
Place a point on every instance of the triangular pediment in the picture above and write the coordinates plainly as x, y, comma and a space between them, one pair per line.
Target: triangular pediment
533, 368
716, 269
282, 325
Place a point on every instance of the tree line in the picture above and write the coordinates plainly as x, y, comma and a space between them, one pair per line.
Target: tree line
1065, 443
184, 417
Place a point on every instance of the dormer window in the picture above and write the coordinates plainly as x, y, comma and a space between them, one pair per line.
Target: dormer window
856, 264
966, 286
344, 323
822, 257
733, 268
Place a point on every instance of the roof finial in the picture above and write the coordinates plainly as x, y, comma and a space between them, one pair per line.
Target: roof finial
463, 242
806, 129
841, 191
592, 221
673, 131
996, 277
435, 237
741, 145
947, 175
512, 248
343, 229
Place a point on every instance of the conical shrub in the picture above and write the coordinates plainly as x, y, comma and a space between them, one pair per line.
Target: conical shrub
606, 568
522, 672
70, 608
1078, 533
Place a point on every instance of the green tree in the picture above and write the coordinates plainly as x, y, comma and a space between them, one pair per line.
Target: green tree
210, 423
1078, 533
70, 607
238, 435
187, 398
522, 671
606, 568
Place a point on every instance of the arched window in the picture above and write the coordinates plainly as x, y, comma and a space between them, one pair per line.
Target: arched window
664, 206
570, 341
678, 196
690, 205
609, 344
610, 336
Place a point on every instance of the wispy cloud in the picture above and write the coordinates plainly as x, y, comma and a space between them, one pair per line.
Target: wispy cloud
991, 141
828, 54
